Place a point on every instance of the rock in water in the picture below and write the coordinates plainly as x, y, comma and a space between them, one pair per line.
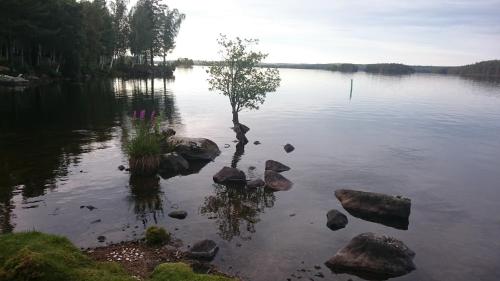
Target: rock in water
205, 249
289, 148
230, 175
194, 148
276, 181
276, 166
373, 257
178, 214
335, 220
376, 207
12, 81
121, 167
173, 162
256, 183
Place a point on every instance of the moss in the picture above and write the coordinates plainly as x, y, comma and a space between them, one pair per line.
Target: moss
157, 236
36, 256
182, 272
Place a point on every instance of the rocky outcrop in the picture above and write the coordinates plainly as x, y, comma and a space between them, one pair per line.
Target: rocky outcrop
229, 175
335, 220
194, 148
376, 207
373, 257
205, 249
256, 183
276, 182
276, 166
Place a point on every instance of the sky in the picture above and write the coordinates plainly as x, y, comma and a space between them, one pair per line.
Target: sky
417, 32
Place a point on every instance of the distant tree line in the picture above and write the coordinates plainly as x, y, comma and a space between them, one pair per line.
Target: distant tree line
70, 38
485, 69
184, 62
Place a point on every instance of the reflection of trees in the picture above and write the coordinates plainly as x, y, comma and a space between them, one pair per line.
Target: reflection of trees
146, 197
240, 150
237, 209
45, 129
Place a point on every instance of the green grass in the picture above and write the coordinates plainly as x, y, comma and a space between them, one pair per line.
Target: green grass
182, 272
35, 256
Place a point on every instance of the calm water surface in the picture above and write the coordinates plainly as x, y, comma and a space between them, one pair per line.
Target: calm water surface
434, 139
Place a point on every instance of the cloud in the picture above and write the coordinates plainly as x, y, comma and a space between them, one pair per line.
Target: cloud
438, 32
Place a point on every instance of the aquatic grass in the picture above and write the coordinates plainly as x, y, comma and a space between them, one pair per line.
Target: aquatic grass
144, 148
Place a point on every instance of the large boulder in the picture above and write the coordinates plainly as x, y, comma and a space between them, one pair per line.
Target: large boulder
276, 166
389, 210
173, 162
373, 257
205, 249
194, 148
335, 220
276, 182
229, 175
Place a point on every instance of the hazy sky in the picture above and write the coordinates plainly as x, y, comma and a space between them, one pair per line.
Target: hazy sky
424, 32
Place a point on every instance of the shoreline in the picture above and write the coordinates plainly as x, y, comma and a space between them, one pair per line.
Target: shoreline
139, 259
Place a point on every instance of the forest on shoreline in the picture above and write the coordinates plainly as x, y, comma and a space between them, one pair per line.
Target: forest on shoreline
484, 69
73, 39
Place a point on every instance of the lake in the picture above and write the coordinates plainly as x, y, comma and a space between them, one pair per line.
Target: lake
432, 138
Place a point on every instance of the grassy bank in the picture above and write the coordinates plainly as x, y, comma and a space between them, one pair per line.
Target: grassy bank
42, 257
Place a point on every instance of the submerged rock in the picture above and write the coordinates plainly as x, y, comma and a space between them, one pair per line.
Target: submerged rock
276, 166
376, 207
101, 239
276, 181
373, 257
289, 148
121, 167
178, 214
205, 249
173, 162
256, 183
335, 220
194, 148
229, 175
256, 142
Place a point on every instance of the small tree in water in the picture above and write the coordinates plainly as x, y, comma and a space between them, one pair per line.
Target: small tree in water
239, 77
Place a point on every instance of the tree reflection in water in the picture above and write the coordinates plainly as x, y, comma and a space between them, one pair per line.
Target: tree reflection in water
146, 197
237, 209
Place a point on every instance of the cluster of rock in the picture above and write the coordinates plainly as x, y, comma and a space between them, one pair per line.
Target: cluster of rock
368, 255
273, 180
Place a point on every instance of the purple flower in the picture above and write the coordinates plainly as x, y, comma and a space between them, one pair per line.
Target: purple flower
142, 115
153, 116
135, 115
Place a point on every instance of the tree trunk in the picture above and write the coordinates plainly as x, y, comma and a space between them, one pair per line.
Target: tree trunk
236, 120
152, 58
240, 133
